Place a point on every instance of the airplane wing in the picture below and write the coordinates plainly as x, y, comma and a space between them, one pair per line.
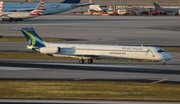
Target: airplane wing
5, 15
21, 10
25, 10
86, 55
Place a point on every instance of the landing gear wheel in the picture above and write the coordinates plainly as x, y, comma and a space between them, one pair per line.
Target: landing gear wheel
81, 61
163, 63
90, 61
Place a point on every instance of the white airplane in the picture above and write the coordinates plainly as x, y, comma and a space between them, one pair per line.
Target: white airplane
19, 16
90, 52
49, 8
175, 11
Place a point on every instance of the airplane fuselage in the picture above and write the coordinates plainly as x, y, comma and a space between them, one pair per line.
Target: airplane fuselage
171, 10
49, 8
110, 51
19, 15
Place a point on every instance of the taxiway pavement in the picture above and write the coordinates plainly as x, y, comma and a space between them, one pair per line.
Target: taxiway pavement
101, 70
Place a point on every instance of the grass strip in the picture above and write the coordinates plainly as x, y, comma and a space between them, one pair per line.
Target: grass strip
29, 55
171, 49
82, 90
23, 39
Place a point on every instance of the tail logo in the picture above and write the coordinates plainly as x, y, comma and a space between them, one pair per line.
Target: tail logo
148, 51
39, 9
33, 39
1, 6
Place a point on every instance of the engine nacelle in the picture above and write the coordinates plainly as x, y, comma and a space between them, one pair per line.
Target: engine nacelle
50, 50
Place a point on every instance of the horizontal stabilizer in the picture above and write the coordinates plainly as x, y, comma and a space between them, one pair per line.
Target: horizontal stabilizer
20, 29
84, 4
71, 1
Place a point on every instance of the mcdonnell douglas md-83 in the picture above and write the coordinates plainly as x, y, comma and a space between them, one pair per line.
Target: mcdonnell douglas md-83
90, 52
49, 8
19, 16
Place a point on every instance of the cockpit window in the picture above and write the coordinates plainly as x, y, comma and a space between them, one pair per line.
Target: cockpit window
160, 50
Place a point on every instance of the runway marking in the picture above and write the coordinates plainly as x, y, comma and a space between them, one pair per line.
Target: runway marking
164, 79
78, 79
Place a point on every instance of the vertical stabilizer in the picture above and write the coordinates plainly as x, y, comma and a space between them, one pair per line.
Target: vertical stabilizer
38, 10
1, 7
32, 37
71, 1
157, 6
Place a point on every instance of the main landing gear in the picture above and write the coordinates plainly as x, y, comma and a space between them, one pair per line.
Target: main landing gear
89, 61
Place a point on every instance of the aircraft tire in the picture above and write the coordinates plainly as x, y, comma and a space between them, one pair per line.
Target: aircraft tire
90, 61
163, 63
81, 61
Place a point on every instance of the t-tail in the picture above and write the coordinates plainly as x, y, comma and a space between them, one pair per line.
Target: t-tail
1, 7
35, 42
71, 1
157, 6
38, 10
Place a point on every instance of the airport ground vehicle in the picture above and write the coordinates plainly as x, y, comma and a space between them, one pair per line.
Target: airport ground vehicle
144, 13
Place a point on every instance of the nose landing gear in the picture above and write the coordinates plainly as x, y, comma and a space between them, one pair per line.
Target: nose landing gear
163, 63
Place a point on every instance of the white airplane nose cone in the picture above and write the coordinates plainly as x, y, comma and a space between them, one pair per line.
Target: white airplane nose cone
168, 57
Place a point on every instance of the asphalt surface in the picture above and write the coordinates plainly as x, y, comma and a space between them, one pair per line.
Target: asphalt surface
13, 101
101, 70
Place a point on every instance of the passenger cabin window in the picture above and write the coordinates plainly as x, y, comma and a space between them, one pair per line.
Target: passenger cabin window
160, 50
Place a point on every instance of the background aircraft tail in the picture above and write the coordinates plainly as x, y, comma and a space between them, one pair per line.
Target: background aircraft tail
71, 1
38, 10
157, 6
1, 7
32, 37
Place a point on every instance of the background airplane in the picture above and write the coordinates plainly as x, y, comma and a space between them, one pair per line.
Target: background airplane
19, 16
90, 52
49, 8
175, 11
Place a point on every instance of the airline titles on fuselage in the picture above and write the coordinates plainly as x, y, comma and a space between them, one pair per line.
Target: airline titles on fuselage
122, 50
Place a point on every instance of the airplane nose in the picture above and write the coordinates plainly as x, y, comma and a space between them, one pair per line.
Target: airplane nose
167, 56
